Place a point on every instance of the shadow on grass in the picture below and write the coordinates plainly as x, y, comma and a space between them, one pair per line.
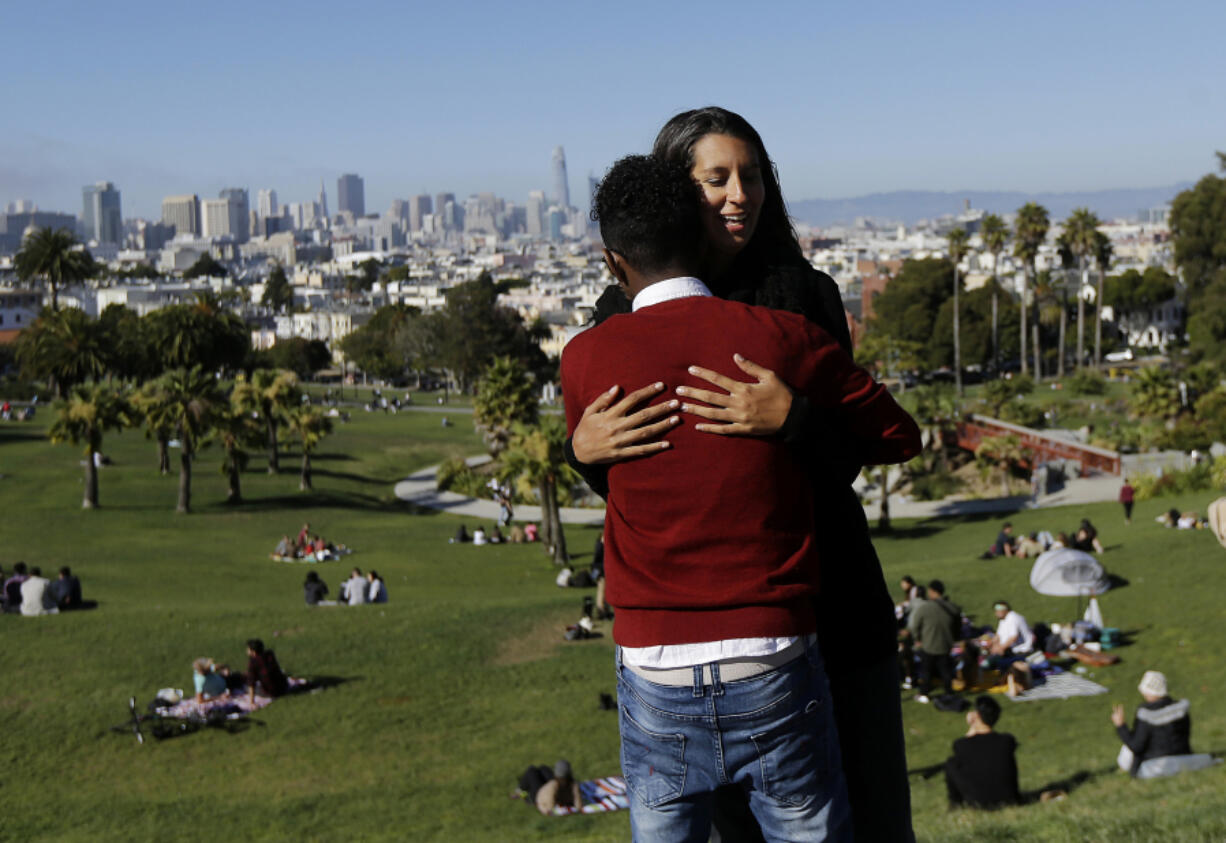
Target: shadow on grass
912, 531
22, 436
307, 500
347, 475
1116, 581
1067, 784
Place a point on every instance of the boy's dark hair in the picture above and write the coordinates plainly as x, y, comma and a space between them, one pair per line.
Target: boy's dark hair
20, 568
937, 586
255, 645
648, 213
988, 709
65, 571
908, 579
36, 571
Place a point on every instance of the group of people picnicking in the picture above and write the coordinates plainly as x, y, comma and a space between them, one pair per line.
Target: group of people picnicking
938, 641
308, 547
515, 534
213, 681
7, 413
28, 592
1084, 538
358, 590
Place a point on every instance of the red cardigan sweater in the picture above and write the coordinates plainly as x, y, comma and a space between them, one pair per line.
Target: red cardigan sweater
712, 538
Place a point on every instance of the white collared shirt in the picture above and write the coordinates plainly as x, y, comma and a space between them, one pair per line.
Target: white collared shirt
665, 656
681, 287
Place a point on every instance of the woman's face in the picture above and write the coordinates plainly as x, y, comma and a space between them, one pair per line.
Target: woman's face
730, 175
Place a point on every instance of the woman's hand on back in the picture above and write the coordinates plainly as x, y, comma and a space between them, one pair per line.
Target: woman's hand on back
611, 432
755, 408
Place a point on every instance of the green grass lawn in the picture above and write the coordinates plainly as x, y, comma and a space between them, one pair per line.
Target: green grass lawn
462, 679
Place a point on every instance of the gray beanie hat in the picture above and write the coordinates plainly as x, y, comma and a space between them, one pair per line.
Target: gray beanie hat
561, 770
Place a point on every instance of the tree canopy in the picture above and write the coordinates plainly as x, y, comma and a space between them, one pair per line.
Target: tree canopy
206, 266
1198, 223
55, 258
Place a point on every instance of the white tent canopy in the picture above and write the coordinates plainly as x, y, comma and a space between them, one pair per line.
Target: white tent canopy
1064, 572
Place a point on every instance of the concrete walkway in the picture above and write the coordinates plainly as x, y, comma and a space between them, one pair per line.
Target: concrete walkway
419, 489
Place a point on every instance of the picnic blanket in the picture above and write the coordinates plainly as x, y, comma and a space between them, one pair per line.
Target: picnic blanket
237, 705
1061, 686
599, 796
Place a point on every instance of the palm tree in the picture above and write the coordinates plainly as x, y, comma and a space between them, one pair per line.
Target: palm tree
1081, 235
1049, 301
271, 394
236, 430
1154, 394
64, 346
87, 413
958, 247
1029, 230
1103, 252
536, 456
505, 395
56, 258
310, 425
995, 236
189, 402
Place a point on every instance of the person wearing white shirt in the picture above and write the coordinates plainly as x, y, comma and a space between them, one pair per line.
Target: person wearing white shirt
354, 589
1013, 635
36, 597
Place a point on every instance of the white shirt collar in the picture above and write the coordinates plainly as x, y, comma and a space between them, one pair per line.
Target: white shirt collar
669, 289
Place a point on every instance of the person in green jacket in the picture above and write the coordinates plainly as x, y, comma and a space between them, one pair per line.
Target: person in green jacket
934, 626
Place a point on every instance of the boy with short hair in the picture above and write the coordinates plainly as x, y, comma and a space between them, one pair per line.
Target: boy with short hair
709, 545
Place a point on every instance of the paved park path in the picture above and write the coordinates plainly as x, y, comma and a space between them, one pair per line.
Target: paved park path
419, 489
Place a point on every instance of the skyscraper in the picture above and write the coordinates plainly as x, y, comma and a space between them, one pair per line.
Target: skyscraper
561, 186
351, 194
419, 206
240, 219
266, 203
534, 213
183, 212
222, 218
323, 201
102, 217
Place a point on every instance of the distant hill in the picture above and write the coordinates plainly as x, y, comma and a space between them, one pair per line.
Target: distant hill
909, 206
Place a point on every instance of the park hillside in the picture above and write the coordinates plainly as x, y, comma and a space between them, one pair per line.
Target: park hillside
162, 457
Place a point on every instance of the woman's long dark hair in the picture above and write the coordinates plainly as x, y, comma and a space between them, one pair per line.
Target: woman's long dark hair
774, 241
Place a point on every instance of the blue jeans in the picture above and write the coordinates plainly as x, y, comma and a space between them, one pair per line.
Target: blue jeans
772, 734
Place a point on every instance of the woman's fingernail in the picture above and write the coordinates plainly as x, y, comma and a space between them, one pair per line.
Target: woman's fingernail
674, 420
612, 389
738, 358
681, 390
693, 370
674, 403
685, 408
659, 385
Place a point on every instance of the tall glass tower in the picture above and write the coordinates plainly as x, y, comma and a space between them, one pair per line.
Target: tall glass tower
561, 186
101, 215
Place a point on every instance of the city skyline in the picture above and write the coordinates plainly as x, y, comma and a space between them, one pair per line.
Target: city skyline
850, 101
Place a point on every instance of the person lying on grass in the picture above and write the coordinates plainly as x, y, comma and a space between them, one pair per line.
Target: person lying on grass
208, 682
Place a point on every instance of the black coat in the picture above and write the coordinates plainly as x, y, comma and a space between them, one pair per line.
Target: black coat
1162, 728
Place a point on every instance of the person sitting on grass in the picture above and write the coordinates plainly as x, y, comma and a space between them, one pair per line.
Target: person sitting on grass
12, 588
1163, 727
284, 549
982, 773
66, 590
263, 671
1004, 541
36, 597
479, 537
461, 536
1086, 539
377, 589
354, 589
548, 789
208, 682
314, 590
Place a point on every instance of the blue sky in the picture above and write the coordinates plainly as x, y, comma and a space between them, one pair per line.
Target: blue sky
462, 96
